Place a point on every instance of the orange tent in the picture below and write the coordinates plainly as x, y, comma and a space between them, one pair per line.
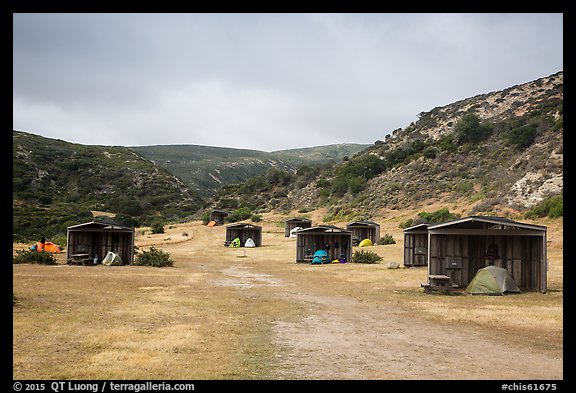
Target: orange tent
48, 246
211, 224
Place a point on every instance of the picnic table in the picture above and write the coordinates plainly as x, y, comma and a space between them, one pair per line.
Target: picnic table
80, 259
438, 282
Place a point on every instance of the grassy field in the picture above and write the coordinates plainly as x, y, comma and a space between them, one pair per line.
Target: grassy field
242, 314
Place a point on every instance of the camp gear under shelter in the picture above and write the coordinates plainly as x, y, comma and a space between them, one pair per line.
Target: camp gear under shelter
112, 259
416, 245
292, 223
294, 231
364, 230
461, 247
492, 280
218, 216
97, 238
365, 243
249, 243
337, 242
320, 257
234, 243
244, 231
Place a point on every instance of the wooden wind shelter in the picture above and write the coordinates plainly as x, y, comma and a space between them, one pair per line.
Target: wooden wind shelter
298, 222
96, 238
337, 242
218, 216
459, 248
416, 245
244, 231
364, 230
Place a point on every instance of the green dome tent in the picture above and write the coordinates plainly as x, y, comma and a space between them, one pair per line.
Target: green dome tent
235, 243
492, 280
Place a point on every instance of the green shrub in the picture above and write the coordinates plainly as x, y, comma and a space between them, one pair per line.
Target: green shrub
126, 220
157, 227
440, 215
446, 144
469, 129
430, 152
552, 207
154, 258
366, 257
256, 217
205, 218
28, 256
386, 239
243, 213
406, 224
523, 136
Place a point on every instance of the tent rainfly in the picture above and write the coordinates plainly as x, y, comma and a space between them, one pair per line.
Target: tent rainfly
492, 280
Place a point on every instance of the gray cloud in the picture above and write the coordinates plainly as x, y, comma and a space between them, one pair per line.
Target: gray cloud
263, 81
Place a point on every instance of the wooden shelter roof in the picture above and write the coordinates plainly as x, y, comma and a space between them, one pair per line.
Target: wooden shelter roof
106, 225
299, 219
364, 223
486, 222
242, 225
418, 227
323, 229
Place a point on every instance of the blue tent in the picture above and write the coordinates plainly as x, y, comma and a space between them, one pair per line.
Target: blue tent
320, 257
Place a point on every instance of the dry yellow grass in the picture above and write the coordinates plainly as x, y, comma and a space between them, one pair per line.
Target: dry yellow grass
238, 313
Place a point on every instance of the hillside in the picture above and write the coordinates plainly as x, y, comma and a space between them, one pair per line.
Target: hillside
499, 151
57, 184
207, 169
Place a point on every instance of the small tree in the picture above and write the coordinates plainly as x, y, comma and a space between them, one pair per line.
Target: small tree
469, 129
154, 258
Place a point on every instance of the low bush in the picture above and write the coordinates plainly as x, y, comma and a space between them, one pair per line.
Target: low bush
157, 228
386, 239
154, 258
406, 224
40, 258
366, 257
552, 207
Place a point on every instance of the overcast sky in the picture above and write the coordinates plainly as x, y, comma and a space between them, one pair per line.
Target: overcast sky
263, 81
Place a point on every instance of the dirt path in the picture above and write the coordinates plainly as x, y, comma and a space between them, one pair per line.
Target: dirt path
342, 337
